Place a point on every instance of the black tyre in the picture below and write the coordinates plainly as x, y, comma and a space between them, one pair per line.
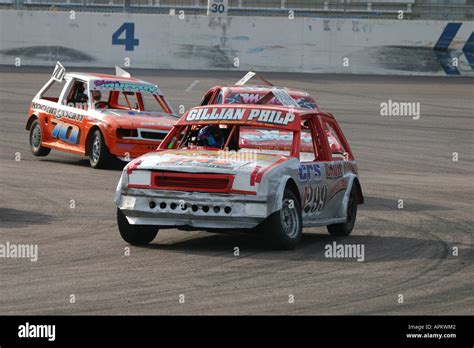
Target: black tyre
283, 229
345, 228
135, 234
99, 155
36, 137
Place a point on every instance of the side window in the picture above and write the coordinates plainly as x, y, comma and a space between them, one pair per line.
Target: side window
207, 98
308, 152
77, 95
53, 91
335, 145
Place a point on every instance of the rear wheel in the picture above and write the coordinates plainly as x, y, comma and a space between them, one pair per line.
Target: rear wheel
36, 138
345, 228
283, 228
99, 155
135, 234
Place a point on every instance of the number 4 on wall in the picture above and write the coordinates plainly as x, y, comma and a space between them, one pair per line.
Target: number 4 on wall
129, 41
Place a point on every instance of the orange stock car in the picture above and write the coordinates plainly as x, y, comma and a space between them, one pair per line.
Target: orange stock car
101, 116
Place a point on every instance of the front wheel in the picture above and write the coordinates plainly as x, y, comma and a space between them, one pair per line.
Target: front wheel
99, 155
284, 227
345, 228
36, 138
135, 234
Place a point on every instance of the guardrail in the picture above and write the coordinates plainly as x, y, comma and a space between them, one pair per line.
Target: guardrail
383, 9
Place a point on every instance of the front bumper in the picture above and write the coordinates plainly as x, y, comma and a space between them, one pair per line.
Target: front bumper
192, 209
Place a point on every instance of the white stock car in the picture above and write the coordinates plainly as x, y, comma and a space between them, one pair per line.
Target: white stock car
267, 168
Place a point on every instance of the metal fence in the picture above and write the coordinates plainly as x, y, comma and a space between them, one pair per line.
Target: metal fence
409, 9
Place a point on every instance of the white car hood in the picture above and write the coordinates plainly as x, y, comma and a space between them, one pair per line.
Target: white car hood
202, 161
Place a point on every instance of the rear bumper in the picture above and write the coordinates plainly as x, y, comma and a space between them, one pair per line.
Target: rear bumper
193, 209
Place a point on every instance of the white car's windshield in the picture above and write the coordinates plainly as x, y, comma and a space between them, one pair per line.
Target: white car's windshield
236, 138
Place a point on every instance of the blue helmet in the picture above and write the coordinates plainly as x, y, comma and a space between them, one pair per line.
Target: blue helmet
210, 136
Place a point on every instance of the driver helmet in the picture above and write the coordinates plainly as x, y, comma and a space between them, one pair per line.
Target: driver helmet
96, 95
81, 98
210, 136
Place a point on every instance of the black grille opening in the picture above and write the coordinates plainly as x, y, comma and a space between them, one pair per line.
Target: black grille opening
153, 135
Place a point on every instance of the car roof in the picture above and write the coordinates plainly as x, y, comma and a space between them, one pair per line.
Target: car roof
107, 79
96, 76
261, 89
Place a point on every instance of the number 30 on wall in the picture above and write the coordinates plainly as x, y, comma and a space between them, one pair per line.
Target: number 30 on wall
125, 35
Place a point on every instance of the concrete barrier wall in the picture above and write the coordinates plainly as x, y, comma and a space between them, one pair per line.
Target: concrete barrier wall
261, 43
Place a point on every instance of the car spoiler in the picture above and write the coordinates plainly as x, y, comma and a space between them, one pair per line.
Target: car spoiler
122, 73
250, 75
58, 72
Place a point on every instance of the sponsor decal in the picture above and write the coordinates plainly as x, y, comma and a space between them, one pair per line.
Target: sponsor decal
199, 159
333, 170
237, 114
247, 98
266, 135
252, 98
350, 167
274, 139
271, 116
215, 114
66, 132
307, 172
271, 134
306, 103
220, 159
58, 112
314, 199
121, 85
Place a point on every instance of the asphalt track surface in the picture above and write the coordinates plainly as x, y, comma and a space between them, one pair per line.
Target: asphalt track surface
408, 251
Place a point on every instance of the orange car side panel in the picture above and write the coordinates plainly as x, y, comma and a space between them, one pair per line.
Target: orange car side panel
118, 147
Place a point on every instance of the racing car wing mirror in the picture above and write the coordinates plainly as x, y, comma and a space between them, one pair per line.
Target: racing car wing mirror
250, 75
120, 72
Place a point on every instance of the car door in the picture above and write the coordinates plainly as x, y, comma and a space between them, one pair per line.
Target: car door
335, 163
311, 173
68, 123
45, 105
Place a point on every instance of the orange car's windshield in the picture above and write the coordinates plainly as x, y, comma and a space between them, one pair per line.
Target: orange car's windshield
124, 100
